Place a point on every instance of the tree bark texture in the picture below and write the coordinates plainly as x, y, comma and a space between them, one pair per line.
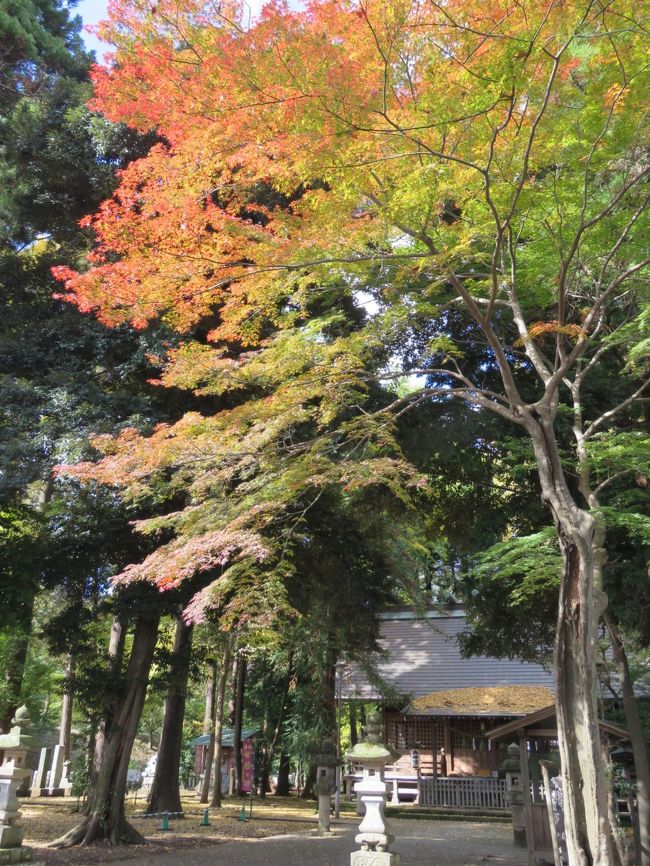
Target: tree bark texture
65, 728
637, 740
310, 780
115, 657
619, 855
165, 794
354, 735
282, 788
237, 726
218, 723
208, 728
105, 818
581, 604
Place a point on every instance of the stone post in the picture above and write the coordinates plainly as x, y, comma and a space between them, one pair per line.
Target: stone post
66, 783
374, 837
512, 768
39, 779
56, 771
14, 770
325, 785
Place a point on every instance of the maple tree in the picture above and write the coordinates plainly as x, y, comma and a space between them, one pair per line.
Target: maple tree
432, 156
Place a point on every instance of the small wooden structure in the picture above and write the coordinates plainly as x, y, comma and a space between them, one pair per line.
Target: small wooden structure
200, 745
536, 735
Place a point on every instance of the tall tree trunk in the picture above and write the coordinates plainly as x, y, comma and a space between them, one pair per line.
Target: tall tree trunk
310, 781
218, 722
237, 726
115, 656
165, 794
208, 728
89, 761
637, 740
105, 818
65, 728
581, 603
354, 735
282, 788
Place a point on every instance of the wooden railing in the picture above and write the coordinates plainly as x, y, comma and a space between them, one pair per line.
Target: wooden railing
471, 792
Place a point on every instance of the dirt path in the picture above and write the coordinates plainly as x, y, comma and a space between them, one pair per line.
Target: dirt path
420, 843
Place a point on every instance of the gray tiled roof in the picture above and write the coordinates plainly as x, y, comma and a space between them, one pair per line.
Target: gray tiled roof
424, 657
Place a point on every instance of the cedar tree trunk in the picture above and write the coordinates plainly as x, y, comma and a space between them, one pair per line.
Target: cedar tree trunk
218, 724
66, 709
581, 604
282, 788
115, 656
310, 781
237, 726
165, 795
105, 818
354, 736
208, 728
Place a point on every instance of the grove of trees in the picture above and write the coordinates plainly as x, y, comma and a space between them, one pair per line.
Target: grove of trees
306, 316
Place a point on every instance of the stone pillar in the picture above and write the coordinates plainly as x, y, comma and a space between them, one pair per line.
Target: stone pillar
324, 789
326, 762
56, 771
65, 783
512, 768
39, 779
374, 836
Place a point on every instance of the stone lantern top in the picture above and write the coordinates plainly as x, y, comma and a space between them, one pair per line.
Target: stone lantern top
512, 763
372, 752
18, 738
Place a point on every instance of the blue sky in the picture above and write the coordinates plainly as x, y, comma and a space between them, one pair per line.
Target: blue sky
93, 11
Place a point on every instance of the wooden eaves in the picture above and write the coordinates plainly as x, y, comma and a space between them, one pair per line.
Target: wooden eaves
529, 724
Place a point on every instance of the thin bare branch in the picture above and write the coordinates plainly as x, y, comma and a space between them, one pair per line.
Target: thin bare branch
606, 417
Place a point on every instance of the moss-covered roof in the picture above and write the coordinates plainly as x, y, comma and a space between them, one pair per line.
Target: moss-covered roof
485, 700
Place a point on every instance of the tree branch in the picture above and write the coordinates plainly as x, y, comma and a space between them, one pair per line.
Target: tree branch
607, 416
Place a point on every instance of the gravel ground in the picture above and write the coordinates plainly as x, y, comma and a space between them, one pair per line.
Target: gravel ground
420, 843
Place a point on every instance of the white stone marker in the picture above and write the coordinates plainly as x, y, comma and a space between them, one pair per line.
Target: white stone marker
39, 779
56, 771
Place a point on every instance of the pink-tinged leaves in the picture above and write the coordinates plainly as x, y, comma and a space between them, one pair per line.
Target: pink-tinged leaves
168, 566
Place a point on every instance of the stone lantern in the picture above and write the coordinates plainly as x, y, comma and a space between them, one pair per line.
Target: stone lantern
17, 746
325, 785
512, 769
374, 836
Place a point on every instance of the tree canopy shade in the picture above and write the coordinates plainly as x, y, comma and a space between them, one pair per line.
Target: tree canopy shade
433, 156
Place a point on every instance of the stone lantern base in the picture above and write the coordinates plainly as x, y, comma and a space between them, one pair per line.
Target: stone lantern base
374, 858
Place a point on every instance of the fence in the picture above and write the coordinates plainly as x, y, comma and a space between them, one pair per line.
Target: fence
472, 792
